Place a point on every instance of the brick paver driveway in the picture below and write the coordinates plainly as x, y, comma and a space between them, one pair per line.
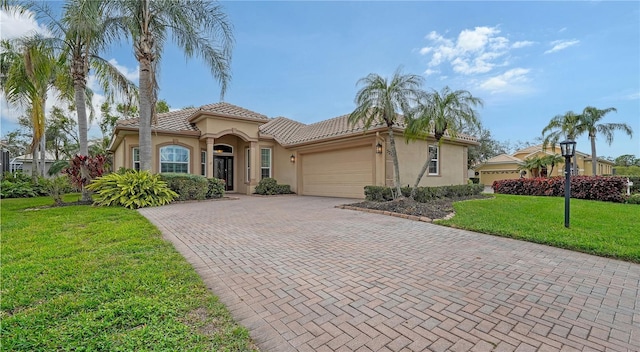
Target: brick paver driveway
302, 275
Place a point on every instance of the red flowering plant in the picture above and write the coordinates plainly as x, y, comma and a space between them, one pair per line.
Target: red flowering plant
82, 169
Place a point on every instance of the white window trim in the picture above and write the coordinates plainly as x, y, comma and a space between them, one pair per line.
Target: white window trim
203, 163
247, 162
270, 167
133, 158
188, 162
436, 159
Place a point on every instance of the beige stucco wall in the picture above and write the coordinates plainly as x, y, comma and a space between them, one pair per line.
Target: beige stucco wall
284, 171
412, 156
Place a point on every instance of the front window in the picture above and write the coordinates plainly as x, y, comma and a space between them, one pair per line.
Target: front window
265, 163
203, 163
136, 159
434, 165
174, 158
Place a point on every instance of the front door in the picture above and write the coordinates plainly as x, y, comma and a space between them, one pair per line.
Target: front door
223, 170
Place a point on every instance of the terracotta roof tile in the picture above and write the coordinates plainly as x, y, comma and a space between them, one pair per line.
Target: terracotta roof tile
503, 159
232, 110
281, 128
167, 121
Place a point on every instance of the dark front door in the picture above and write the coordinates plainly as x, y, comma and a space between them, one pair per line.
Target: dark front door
223, 170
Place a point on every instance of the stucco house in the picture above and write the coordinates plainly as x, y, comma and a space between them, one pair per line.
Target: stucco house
503, 166
327, 158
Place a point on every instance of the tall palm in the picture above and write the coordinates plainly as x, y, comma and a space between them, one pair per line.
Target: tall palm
444, 112
199, 27
568, 126
590, 118
80, 35
533, 165
379, 101
31, 70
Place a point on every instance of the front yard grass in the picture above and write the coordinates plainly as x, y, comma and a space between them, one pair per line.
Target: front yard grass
101, 278
600, 228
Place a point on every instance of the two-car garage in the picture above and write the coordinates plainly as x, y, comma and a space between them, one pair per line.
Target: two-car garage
338, 173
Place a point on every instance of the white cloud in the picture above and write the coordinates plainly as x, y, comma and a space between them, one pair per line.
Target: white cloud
522, 44
474, 51
14, 25
561, 45
430, 72
511, 80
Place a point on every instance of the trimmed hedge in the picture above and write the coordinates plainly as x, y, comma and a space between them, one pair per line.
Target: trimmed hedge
608, 189
188, 186
424, 194
269, 186
216, 188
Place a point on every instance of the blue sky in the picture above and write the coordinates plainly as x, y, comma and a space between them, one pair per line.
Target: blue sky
528, 61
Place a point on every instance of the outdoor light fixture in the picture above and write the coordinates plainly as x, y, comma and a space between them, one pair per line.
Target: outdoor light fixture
292, 158
378, 148
568, 149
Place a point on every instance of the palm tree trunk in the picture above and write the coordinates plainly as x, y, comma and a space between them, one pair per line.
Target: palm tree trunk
34, 162
145, 114
594, 158
425, 166
43, 152
79, 87
396, 164
576, 169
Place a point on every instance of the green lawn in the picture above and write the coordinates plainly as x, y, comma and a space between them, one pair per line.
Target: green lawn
600, 228
95, 278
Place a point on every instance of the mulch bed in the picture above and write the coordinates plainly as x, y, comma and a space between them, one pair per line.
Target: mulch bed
435, 209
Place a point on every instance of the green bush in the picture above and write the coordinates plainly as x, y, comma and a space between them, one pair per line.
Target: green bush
216, 188
20, 185
187, 186
424, 194
634, 199
132, 189
57, 187
269, 186
475, 180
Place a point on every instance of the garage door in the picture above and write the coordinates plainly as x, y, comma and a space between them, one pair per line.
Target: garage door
338, 173
487, 177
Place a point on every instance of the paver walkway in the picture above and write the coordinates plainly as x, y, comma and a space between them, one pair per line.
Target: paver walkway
302, 275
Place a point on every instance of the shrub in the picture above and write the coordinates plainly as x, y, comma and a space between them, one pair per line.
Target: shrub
424, 194
82, 169
187, 186
269, 186
132, 189
216, 188
20, 185
609, 189
56, 187
475, 180
634, 199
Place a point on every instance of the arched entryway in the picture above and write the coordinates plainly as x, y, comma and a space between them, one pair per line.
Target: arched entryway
223, 164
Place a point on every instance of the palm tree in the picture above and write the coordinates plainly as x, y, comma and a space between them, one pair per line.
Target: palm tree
567, 126
80, 35
444, 112
31, 70
533, 164
590, 118
379, 101
199, 27
553, 160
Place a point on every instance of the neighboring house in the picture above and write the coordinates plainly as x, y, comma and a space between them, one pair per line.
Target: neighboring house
327, 158
503, 166
24, 163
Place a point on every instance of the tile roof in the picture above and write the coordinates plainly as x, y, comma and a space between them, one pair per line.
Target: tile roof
538, 148
284, 130
281, 128
167, 121
503, 158
232, 110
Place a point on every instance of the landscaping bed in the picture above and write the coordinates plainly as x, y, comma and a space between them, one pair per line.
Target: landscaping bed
434, 209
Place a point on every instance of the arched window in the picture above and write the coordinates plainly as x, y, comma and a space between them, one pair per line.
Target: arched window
222, 149
174, 158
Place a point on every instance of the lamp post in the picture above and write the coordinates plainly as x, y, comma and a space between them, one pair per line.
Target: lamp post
568, 149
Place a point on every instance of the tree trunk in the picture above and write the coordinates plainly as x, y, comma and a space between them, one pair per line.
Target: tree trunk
43, 153
146, 98
396, 164
79, 86
576, 169
594, 158
34, 162
414, 190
